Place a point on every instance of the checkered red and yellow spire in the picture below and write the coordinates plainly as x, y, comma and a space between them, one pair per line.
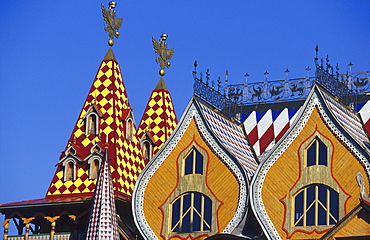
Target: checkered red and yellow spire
159, 119
106, 118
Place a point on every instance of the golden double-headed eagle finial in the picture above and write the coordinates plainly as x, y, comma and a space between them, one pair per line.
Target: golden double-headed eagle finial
113, 23
164, 54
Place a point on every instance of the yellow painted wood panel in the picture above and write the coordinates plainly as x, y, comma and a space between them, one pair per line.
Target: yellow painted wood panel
356, 227
286, 171
221, 182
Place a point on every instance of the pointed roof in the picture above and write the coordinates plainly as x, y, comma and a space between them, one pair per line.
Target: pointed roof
103, 215
161, 85
159, 118
224, 137
342, 122
109, 97
232, 137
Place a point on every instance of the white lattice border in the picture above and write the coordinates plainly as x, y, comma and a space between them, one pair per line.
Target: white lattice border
143, 180
278, 150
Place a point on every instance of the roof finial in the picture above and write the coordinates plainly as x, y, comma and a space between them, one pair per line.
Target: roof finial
113, 23
164, 54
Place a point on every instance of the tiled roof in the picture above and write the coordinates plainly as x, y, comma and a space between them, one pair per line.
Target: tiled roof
364, 110
108, 95
159, 118
233, 138
45, 201
348, 120
265, 129
103, 218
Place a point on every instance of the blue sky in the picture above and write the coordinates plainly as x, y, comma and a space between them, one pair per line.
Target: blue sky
50, 52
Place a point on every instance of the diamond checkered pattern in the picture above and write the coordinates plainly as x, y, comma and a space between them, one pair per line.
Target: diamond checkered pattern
265, 129
108, 95
232, 137
159, 118
103, 218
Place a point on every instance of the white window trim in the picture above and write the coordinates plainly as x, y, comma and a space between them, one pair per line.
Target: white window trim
90, 166
65, 164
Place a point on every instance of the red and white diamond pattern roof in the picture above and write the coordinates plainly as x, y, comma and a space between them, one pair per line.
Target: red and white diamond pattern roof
103, 218
266, 128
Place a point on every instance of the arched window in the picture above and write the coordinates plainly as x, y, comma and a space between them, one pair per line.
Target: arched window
146, 149
193, 162
317, 153
316, 205
94, 168
316, 201
69, 171
129, 129
191, 212
92, 124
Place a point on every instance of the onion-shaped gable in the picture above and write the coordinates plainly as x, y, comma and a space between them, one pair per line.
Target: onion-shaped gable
194, 187
307, 182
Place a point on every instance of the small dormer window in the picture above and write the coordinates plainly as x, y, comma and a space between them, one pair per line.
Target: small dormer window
92, 124
92, 121
146, 149
129, 129
94, 168
69, 170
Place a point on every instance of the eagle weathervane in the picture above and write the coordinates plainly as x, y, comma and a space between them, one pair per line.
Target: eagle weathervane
164, 54
113, 23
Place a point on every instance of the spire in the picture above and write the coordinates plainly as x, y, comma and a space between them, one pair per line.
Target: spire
103, 215
161, 85
106, 112
159, 118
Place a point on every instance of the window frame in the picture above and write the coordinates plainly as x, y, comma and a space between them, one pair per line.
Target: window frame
189, 183
90, 162
66, 170
191, 210
194, 163
308, 176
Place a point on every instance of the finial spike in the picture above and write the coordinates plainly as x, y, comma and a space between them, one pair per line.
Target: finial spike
113, 23
164, 54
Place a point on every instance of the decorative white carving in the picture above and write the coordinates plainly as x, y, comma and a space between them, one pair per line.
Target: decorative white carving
279, 149
361, 184
146, 175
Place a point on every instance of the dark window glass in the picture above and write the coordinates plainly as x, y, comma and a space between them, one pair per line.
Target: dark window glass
323, 155
198, 202
299, 209
322, 215
176, 215
189, 164
196, 223
191, 212
318, 210
334, 206
198, 163
194, 163
311, 155
310, 216
186, 223
187, 201
207, 213
310, 195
